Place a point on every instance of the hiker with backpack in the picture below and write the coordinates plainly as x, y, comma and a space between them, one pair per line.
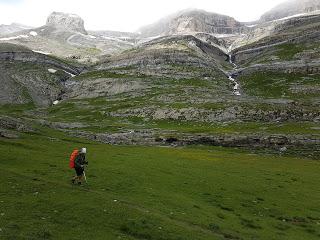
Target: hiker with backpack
78, 162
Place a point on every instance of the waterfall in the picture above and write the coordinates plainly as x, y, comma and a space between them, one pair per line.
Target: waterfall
236, 85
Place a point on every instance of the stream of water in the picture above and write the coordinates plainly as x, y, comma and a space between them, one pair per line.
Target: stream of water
236, 85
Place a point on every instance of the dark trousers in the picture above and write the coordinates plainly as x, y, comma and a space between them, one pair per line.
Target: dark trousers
79, 171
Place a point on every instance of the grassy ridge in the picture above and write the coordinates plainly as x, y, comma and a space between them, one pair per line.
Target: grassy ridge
160, 193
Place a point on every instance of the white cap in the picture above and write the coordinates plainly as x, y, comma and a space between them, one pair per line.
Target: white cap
83, 150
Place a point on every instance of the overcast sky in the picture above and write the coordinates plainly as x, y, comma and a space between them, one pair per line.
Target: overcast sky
125, 15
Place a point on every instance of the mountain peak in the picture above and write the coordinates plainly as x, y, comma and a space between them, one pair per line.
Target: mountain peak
68, 21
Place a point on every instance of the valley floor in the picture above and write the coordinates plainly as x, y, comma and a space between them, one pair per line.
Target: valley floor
154, 192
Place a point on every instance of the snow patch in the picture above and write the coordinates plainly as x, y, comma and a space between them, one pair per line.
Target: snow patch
13, 38
72, 75
292, 16
224, 35
297, 15
93, 37
45, 53
117, 40
143, 40
51, 70
33, 33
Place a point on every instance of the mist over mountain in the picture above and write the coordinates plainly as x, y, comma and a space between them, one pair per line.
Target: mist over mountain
193, 21
12, 28
291, 7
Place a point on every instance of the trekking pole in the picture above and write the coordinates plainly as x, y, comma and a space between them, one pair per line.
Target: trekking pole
85, 178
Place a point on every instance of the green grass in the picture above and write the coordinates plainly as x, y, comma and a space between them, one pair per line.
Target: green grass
243, 127
93, 51
95, 113
283, 52
15, 109
277, 85
161, 193
9, 47
98, 74
287, 51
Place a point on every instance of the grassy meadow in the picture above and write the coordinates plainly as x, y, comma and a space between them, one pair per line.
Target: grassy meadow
165, 193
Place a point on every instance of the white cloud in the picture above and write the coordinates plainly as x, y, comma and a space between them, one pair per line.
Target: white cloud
126, 15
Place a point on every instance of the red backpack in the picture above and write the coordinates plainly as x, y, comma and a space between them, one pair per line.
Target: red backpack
73, 156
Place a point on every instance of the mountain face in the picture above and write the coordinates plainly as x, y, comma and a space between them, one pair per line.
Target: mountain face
291, 7
193, 21
66, 21
165, 85
64, 34
12, 28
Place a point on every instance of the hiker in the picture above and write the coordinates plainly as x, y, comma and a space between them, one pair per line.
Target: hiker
79, 158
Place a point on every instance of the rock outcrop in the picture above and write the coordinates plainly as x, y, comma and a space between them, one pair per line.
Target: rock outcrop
70, 22
149, 137
9, 123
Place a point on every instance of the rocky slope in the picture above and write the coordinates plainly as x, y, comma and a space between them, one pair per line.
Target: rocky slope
29, 77
139, 70
269, 37
279, 31
193, 21
289, 8
185, 49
